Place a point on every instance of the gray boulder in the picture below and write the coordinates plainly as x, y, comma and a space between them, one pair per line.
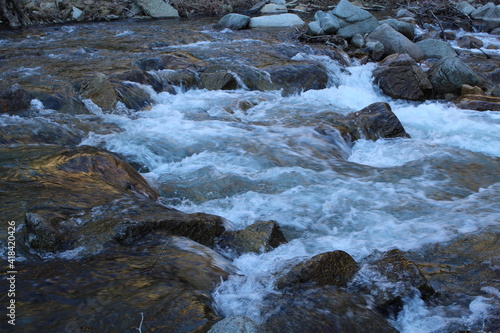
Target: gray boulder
465, 8
327, 21
273, 8
449, 74
399, 76
405, 28
358, 40
375, 50
314, 29
395, 42
281, 20
484, 11
157, 8
353, 20
234, 22
436, 49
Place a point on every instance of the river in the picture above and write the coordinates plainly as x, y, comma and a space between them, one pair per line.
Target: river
205, 152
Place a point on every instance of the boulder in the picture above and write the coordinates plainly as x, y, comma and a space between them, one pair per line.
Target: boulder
240, 324
362, 27
132, 95
100, 91
15, 99
299, 77
327, 309
469, 42
479, 103
168, 280
395, 42
229, 77
465, 8
405, 28
399, 76
358, 41
375, 50
484, 11
449, 74
258, 237
353, 20
328, 22
157, 8
334, 268
184, 78
234, 22
374, 122
436, 49
388, 278
280, 20
77, 14
314, 29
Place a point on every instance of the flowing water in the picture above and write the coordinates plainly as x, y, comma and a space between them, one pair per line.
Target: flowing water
204, 152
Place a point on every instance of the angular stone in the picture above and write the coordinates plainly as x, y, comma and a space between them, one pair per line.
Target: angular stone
405, 28
158, 8
479, 103
100, 91
15, 99
398, 76
469, 42
449, 74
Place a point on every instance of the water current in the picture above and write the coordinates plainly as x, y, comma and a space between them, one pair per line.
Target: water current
206, 153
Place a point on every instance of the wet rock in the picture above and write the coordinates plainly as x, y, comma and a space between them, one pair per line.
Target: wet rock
240, 324
157, 9
469, 42
132, 95
479, 103
334, 268
258, 237
470, 90
167, 279
376, 121
295, 78
220, 80
449, 74
47, 132
322, 310
184, 78
407, 29
399, 76
233, 22
15, 99
395, 42
392, 278
100, 91
230, 77
280, 20
436, 49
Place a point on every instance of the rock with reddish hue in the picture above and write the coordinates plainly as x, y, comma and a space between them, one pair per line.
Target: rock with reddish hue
479, 103
399, 76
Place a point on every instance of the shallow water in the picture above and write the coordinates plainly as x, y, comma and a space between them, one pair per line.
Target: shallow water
204, 152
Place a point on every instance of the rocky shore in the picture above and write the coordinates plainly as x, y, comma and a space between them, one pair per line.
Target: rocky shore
100, 249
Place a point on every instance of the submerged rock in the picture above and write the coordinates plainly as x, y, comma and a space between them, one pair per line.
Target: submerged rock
334, 268
399, 76
100, 91
258, 237
15, 99
240, 324
322, 310
295, 78
168, 280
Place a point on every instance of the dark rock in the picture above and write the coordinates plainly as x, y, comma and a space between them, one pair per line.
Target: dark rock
150, 64
185, 78
300, 77
48, 133
479, 103
220, 80
230, 77
375, 50
167, 279
233, 22
399, 76
436, 49
376, 121
258, 237
449, 74
395, 42
469, 42
335, 268
322, 310
100, 91
15, 99
132, 95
